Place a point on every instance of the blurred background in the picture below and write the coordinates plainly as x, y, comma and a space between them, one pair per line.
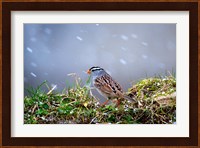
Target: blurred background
128, 52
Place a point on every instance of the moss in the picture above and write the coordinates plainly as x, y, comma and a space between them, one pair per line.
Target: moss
156, 104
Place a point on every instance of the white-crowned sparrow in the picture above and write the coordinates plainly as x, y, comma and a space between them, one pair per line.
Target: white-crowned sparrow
106, 86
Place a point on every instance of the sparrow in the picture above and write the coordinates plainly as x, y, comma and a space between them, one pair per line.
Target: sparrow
106, 85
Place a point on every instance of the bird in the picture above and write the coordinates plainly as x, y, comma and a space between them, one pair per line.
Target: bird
106, 85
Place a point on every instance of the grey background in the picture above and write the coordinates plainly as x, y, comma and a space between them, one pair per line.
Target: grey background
129, 52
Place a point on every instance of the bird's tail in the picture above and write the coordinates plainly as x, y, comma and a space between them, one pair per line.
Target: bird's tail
132, 100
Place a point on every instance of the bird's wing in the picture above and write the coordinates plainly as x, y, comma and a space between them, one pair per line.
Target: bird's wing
107, 85
102, 85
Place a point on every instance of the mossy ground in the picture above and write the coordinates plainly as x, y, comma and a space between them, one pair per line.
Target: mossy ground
156, 104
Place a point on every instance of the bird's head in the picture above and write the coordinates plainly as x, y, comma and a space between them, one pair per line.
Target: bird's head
95, 70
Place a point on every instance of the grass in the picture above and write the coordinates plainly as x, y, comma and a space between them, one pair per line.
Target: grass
156, 104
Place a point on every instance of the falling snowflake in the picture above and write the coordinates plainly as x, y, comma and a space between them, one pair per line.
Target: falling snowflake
123, 61
33, 64
79, 38
125, 38
33, 39
34, 75
134, 36
144, 56
29, 49
144, 43
47, 31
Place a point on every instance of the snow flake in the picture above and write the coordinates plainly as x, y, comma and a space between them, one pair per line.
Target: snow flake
34, 75
33, 64
47, 31
124, 37
123, 61
79, 38
144, 56
144, 43
29, 49
134, 36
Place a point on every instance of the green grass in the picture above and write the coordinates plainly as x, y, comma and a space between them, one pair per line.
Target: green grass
156, 104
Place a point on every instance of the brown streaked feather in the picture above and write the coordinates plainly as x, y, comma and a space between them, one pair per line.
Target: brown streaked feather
102, 83
116, 85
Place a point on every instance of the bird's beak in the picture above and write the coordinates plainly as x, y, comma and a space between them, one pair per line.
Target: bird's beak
88, 72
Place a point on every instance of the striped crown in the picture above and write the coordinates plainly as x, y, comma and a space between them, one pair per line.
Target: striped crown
95, 68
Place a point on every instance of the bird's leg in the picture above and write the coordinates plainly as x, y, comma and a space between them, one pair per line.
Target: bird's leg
118, 102
106, 101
